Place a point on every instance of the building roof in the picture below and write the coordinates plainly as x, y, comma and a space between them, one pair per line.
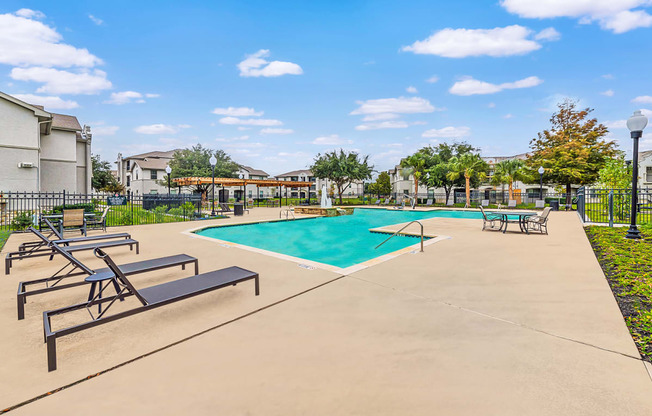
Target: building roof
38, 110
295, 173
496, 159
65, 122
254, 172
155, 154
152, 164
644, 155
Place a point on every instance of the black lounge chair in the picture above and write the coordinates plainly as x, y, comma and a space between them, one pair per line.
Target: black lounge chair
49, 251
75, 268
149, 297
55, 235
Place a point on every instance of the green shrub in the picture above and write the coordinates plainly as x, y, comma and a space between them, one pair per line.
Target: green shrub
125, 218
22, 221
87, 207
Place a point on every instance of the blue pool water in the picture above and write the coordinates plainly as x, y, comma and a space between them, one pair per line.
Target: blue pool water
339, 241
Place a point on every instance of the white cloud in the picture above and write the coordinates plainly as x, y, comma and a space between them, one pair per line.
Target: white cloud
449, 132
25, 41
508, 116
491, 105
237, 112
30, 14
255, 66
470, 86
125, 97
157, 129
383, 125
250, 121
151, 95
104, 130
646, 99
96, 20
432, 79
332, 140
616, 16
276, 131
608, 76
63, 82
233, 139
411, 90
460, 43
549, 34
608, 93
616, 124
380, 116
48, 102
401, 105
241, 128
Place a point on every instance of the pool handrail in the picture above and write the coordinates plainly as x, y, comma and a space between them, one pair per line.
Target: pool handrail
403, 228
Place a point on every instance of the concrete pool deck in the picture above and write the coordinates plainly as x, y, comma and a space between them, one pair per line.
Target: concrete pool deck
481, 323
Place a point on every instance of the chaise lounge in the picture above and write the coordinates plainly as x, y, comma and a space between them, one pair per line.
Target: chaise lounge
65, 244
149, 298
75, 268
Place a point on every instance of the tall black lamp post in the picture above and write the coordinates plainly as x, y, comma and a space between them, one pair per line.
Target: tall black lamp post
168, 170
213, 162
636, 123
541, 171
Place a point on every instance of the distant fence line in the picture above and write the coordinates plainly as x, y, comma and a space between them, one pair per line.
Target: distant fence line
592, 204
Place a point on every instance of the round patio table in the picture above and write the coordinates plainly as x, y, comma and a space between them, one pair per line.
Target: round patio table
522, 218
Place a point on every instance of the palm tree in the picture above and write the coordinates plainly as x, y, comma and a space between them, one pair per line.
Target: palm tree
414, 165
509, 171
469, 165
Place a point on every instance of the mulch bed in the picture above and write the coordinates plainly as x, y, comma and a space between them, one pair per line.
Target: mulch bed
627, 264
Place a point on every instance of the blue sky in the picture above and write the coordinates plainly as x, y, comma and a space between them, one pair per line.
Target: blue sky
274, 83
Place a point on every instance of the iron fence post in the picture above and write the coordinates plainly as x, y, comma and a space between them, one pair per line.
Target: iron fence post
611, 208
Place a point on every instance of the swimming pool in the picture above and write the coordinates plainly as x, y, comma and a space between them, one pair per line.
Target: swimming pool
338, 241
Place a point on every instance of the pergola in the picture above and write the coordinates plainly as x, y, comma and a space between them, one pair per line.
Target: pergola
265, 183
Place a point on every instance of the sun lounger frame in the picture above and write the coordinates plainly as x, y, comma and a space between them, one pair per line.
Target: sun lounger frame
52, 282
129, 290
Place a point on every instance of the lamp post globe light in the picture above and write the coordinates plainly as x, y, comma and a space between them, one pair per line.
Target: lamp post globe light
636, 123
541, 170
168, 170
213, 162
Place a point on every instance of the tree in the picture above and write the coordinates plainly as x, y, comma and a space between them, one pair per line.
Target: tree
342, 168
468, 165
615, 174
102, 175
573, 150
417, 164
195, 162
382, 186
437, 173
509, 171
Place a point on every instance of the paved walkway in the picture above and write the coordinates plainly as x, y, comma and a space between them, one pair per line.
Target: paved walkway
480, 324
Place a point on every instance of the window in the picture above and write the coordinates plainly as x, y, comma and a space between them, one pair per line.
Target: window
154, 174
128, 164
128, 180
153, 192
648, 174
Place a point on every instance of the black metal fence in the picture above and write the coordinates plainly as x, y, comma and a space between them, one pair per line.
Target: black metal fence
18, 210
613, 206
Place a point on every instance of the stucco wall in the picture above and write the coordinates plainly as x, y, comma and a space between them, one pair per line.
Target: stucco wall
58, 176
13, 178
59, 145
18, 126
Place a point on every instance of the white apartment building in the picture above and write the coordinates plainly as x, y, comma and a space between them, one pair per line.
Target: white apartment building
139, 173
41, 150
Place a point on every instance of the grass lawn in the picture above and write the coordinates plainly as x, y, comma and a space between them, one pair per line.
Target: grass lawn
4, 235
627, 265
